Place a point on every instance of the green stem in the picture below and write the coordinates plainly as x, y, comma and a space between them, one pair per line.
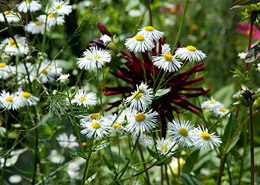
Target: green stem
141, 57
252, 142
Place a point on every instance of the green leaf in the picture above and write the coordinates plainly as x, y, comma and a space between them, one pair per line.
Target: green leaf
188, 179
109, 165
253, 53
79, 154
230, 129
103, 144
193, 157
152, 153
91, 178
164, 162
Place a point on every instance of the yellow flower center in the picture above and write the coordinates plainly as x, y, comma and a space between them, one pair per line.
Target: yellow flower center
211, 102
26, 95
9, 99
12, 42
148, 28
50, 15
117, 126
139, 37
96, 125
87, 57
184, 132
137, 96
81, 99
7, 12
222, 110
191, 48
168, 57
95, 116
48, 67
164, 148
43, 71
2, 65
205, 135
38, 23
57, 6
140, 117
97, 56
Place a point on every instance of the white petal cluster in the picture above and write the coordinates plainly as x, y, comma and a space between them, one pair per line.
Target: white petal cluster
66, 141
190, 53
26, 5
84, 98
215, 106
11, 16
139, 43
16, 46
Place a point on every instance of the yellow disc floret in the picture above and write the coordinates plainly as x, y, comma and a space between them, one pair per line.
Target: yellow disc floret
211, 102
184, 132
140, 117
117, 126
26, 95
168, 57
148, 28
37, 23
205, 135
57, 6
81, 99
139, 37
97, 56
191, 48
222, 110
7, 12
96, 125
43, 71
2, 64
164, 148
95, 116
50, 15
138, 95
9, 99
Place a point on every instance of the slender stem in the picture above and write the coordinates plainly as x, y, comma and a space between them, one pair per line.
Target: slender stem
250, 38
251, 142
167, 177
180, 28
118, 144
150, 12
144, 165
179, 165
161, 175
141, 57
35, 156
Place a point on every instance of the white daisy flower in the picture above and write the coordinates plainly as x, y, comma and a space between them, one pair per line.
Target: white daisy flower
142, 122
36, 27
116, 127
142, 98
95, 128
151, 33
14, 155
84, 98
64, 78
55, 157
73, 168
26, 99
9, 101
139, 43
52, 19
48, 71
126, 114
221, 111
190, 53
165, 146
93, 58
106, 39
12, 49
66, 141
61, 7
21, 73
31, 5
10, 16
203, 140
93, 116
5, 71
15, 179
180, 132
166, 61
211, 104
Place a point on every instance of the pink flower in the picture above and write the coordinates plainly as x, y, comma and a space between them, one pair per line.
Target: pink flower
244, 28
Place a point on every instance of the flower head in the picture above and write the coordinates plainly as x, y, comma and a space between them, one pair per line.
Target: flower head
151, 33
16, 46
190, 53
48, 71
26, 5
66, 141
52, 19
9, 101
10, 16
211, 104
61, 7
5, 70
26, 99
84, 98
165, 146
36, 27
139, 43
106, 39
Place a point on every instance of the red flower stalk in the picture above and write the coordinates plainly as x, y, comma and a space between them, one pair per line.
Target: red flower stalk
180, 90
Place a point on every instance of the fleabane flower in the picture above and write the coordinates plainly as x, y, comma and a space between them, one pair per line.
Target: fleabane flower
12, 49
48, 71
180, 131
139, 43
190, 53
95, 128
26, 99
106, 39
90, 117
55, 157
166, 60
66, 141
85, 99
165, 146
9, 101
52, 19
94, 58
142, 122
221, 111
64, 78
211, 104
116, 126
203, 140
36, 27
141, 98
61, 7
151, 33
10, 16
5, 70
31, 5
